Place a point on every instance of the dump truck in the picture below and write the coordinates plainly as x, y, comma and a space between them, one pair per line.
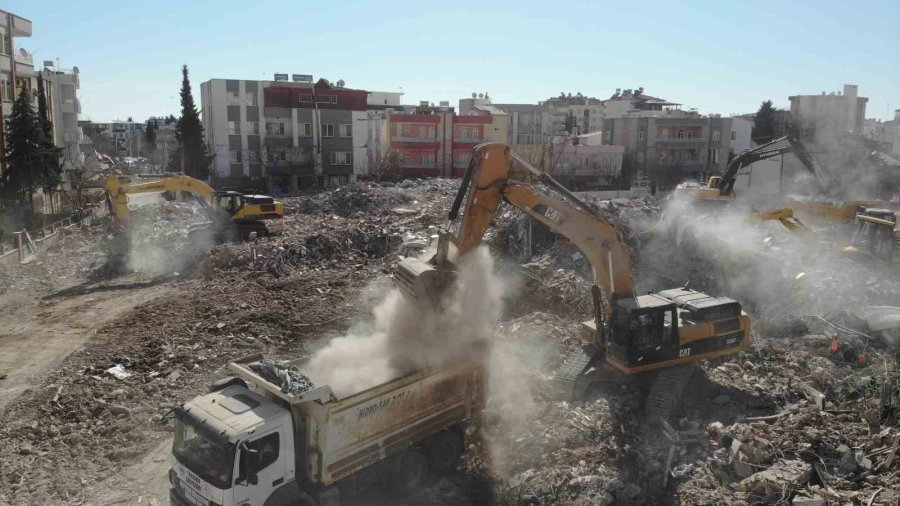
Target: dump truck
249, 441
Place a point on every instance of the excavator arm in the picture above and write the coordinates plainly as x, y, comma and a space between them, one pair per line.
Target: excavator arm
488, 184
762, 152
178, 185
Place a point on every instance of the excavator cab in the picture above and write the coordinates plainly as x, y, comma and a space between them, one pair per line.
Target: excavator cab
643, 331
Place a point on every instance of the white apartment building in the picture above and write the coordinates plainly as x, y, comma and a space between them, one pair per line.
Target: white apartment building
830, 115
16, 67
61, 89
281, 136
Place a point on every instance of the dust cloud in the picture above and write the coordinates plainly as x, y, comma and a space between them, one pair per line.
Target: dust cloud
787, 276
167, 237
402, 338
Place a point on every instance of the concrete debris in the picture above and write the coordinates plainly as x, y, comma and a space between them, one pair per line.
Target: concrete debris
779, 481
289, 377
118, 371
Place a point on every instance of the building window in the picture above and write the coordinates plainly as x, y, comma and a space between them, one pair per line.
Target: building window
234, 127
690, 134
6, 47
275, 128
345, 130
252, 99
609, 136
733, 135
327, 130
326, 99
235, 156
714, 156
306, 97
642, 135
716, 135
253, 156
680, 134
253, 127
340, 158
305, 129
277, 156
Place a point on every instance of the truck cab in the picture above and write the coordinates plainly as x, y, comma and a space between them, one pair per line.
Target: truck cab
231, 447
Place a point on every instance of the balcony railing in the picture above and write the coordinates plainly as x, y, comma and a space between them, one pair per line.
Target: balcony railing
468, 139
682, 166
400, 138
24, 57
695, 138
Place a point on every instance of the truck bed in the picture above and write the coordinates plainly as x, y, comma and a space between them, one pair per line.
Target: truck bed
342, 436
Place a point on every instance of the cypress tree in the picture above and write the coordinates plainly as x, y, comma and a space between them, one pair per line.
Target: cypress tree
24, 154
191, 153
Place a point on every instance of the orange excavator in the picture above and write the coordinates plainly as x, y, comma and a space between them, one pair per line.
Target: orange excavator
659, 333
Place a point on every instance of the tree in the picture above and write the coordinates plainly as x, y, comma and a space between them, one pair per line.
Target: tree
170, 119
764, 123
51, 168
24, 154
150, 138
191, 155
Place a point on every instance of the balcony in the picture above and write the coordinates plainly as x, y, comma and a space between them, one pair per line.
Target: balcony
682, 165
24, 57
71, 105
21, 27
476, 140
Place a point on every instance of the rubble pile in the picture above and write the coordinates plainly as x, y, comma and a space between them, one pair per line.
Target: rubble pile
357, 198
809, 413
289, 377
66, 260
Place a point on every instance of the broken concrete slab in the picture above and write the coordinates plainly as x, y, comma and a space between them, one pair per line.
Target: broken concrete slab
778, 481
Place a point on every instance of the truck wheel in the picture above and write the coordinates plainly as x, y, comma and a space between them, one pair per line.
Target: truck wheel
410, 470
444, 450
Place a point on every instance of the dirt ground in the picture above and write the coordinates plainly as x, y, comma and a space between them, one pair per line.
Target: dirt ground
74, 433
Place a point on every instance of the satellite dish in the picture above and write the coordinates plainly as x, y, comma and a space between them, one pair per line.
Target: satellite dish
75, 70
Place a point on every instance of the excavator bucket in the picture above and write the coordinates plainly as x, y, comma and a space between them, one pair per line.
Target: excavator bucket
422, 283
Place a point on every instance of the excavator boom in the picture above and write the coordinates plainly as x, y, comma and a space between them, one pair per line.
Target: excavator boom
489, 185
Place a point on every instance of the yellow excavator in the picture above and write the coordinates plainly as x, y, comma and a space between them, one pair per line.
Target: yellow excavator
874, 237
234, 214
660, 332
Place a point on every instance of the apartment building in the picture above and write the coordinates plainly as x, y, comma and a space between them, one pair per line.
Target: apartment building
61, 89
540, 123
128, 136
669, 150
428, 140
16, 68
826, 117
634, 102
287, 135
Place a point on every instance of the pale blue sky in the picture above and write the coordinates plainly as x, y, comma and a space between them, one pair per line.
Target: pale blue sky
720, 57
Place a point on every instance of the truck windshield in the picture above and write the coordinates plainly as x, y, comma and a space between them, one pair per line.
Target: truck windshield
209, 455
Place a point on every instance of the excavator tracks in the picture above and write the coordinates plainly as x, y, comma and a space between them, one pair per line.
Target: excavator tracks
566, 377
666, 391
